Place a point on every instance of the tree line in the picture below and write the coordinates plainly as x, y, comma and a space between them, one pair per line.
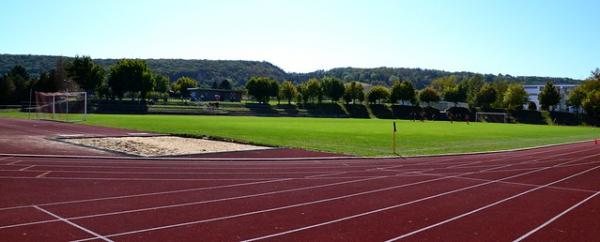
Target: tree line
238, 72
127, 77
474, 91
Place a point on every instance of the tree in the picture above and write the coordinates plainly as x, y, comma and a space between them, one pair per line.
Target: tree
313, 89
486, 96
261, 88
590, 89
501, 86
576, 98
182, 84
215, 85
403, 91
7, 89
288, 91
147, 84
378, 94
354, 92
21, 80
549, 96
591, 104
515, 97
225, 84
333, 88
473, 85
443, 83
161, 83
129, 76
46, 82
86, 73
274, 90
303, 93
455, 94
429, 95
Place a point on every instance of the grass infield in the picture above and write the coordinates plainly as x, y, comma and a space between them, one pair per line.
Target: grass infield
363, 137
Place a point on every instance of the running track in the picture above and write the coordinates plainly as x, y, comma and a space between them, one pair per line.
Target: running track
544, 194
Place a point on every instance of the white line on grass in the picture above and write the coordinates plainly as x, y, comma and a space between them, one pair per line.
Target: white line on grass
98, 236
555, 217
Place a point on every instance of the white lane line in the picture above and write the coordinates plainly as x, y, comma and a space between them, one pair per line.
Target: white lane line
192, 189
201, 167
183, 173
535, 161
489, 205
322, 201
555, 217
43, 174
522, 184
192, 203
148, 194
22, 169
13, 163
97, 236
150, 179
399, 205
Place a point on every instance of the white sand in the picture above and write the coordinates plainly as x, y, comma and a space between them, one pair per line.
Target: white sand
162, 145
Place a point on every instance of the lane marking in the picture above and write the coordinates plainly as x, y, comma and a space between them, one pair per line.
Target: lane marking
148, 194
22, 169
13, 163
182, 173
98, 236
191, 203
43, 174
555, 217
396, 206
488, 206
322, 201
526, 184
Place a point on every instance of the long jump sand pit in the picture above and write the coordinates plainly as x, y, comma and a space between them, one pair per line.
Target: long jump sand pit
162, 145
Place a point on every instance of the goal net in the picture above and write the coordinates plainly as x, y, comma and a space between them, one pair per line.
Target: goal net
59, 106
495, 117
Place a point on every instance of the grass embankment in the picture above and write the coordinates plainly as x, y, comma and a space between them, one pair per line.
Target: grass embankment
364, 137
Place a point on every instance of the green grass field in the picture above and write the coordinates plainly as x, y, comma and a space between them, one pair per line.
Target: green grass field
365, 137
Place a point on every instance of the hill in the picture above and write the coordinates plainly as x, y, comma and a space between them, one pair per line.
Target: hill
238, 71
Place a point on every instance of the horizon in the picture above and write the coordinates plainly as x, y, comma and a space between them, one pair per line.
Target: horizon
391, 67
533, 38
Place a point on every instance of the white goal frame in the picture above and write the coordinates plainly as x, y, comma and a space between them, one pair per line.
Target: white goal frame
37, 108
505, 115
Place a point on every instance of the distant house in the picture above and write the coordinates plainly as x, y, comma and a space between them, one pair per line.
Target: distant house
564, 90
209, 94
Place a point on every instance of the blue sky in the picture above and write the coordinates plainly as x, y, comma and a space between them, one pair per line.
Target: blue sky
527, 37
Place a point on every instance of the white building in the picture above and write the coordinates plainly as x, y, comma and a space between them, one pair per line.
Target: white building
564, 90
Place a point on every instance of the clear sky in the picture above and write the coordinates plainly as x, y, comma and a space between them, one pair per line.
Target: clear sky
517, 37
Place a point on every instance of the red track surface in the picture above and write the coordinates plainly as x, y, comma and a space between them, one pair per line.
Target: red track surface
544, 194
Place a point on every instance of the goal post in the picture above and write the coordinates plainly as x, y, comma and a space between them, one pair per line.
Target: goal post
491, 117
60, 106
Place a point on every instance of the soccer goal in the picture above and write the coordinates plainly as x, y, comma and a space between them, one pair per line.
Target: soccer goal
59, 106
491, 117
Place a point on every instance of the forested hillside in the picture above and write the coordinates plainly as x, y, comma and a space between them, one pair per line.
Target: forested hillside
238, 72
